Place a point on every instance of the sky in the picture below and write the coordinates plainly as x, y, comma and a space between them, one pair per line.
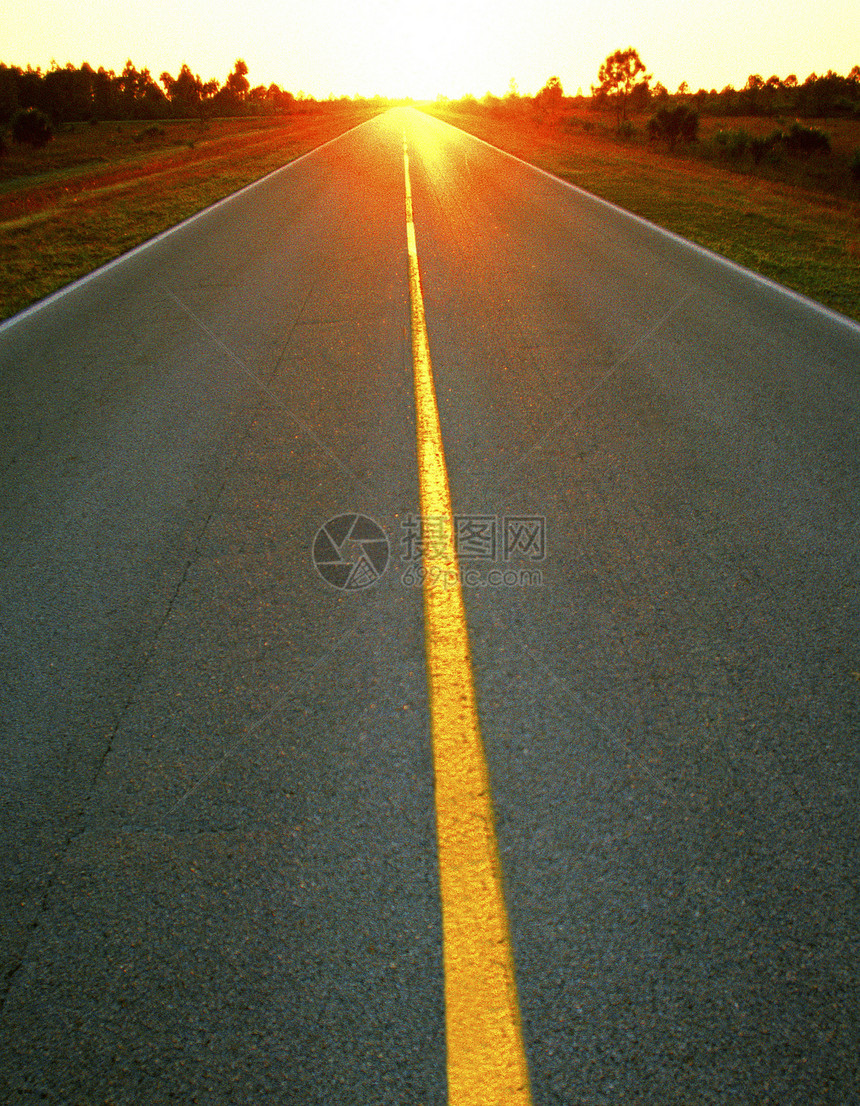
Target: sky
424, 48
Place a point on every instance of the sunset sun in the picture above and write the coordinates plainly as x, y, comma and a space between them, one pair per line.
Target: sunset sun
425, 49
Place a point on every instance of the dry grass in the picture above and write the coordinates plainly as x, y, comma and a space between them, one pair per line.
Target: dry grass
96, 192
844, 133
800, 236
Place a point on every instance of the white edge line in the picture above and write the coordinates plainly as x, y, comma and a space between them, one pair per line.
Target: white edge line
734, 266
52, 297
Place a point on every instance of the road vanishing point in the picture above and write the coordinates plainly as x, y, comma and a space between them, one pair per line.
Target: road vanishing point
430, 656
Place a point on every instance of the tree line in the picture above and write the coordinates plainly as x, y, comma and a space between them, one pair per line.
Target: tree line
828, 96
624, 84
71, 95
624, 87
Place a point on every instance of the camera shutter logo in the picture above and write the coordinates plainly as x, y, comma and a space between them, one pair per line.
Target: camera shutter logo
351, 552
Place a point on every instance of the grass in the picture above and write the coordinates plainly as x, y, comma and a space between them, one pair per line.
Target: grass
95, 192
803, 236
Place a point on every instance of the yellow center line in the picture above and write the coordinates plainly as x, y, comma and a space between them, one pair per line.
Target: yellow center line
485, 1054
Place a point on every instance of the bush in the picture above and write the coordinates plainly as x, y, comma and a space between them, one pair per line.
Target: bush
674, 123
760, 148
627, 129
805, 140
736, 145
854, 165
32, 127
733, 144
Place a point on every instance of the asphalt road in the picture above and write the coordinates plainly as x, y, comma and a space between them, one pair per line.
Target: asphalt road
218, 833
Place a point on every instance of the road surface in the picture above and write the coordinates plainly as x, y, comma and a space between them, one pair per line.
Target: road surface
219, 838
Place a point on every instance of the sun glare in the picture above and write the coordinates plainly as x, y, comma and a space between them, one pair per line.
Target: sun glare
427, 49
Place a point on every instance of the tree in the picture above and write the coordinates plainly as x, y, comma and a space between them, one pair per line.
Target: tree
617, 77
32, 127
548, 100
752, 93
67, 93
187, 93
103, 97
640, 98
150, 101
660, 93
237, 83
127, 82
282, 101
233, 97
674, 123
139, 95
9, 102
